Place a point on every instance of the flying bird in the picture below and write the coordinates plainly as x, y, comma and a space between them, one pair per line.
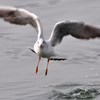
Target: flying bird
45, 48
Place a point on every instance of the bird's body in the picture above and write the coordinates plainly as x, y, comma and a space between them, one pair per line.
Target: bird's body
45, 48
45, 51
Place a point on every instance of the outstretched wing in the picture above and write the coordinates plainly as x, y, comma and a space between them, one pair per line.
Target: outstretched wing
76, 29
20, 17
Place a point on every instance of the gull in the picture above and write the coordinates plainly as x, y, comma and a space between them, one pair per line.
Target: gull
45, 48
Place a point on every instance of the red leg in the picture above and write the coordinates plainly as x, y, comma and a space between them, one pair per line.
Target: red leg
38, 64
47, 67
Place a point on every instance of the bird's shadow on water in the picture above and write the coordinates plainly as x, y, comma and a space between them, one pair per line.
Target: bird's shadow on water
80, 92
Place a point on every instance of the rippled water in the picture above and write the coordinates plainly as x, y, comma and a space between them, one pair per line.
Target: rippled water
74, 79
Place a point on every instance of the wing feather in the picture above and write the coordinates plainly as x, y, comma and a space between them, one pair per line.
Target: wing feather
20, 17
76, 29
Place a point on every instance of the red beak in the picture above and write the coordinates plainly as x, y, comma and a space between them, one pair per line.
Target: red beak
40, 45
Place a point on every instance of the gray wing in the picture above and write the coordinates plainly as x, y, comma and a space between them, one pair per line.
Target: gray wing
20, 17
76, 29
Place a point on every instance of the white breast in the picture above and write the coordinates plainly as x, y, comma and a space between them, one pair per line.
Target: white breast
46, 52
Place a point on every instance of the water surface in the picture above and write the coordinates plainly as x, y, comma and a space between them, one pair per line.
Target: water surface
79, 76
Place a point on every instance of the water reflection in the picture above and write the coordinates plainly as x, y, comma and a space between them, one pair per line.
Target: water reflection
76, 94
76, 91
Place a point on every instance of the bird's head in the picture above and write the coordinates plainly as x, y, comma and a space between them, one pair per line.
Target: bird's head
41, 43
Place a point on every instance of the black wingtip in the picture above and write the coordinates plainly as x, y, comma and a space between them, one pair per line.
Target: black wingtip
57, 59
32, 50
